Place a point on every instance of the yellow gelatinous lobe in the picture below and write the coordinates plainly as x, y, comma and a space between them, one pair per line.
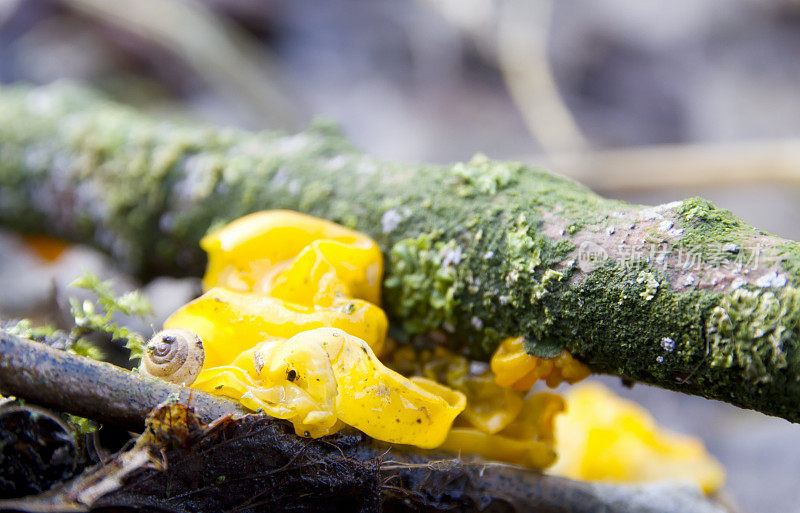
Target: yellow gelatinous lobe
328, 260
322, 378
290, 326
514, 368
603, 437
230, 322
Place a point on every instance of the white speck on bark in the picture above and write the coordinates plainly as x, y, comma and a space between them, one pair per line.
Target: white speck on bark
390, 220
772, 279
452, 257
738, 283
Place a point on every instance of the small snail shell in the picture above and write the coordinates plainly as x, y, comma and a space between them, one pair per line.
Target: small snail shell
175, 355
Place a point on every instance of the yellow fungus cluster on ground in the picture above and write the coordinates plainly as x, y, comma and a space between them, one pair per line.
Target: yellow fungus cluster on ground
291, 325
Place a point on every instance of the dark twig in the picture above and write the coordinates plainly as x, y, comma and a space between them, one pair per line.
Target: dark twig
96, 390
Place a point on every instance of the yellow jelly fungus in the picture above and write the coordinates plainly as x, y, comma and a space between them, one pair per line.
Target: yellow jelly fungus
497, 423
527, 441
290, 326
490, 408
230, 322
514, 368
329, 260
320, 377
603, 437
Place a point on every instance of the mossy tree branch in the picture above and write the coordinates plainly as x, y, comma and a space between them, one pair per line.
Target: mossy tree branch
684, 295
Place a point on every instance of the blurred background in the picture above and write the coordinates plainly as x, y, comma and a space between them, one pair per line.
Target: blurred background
643, 100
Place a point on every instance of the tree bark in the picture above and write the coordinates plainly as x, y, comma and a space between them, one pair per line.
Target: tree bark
684, 295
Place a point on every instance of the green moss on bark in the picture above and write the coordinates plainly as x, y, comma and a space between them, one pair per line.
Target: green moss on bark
711, 232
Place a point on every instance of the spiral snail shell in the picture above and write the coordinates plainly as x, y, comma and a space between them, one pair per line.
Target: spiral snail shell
175, 355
